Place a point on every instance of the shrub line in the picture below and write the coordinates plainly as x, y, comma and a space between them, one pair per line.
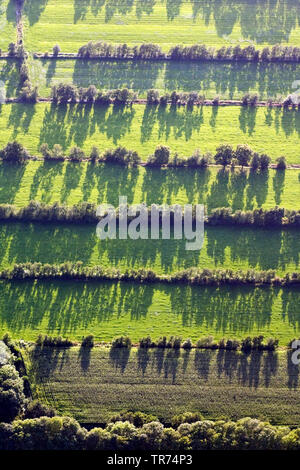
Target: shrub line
85, 213
193, 276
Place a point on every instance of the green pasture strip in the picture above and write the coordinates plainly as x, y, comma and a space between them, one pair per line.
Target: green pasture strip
224, 247
8, 30
9, 76
93, 385
141, 128
109, 309
227, 80
73, 23
71, 183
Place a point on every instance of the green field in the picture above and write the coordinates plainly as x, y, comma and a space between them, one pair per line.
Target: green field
9, 76
71, 183
73, 23
108, 309
224, 247
7, 24
88, 384
227, 80
141, 128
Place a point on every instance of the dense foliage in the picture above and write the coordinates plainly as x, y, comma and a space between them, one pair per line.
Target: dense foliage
48, 433
85, 212
192, 276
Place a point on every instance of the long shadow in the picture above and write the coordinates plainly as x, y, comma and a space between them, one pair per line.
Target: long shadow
120, 357
84, 356
20, 118
33, 10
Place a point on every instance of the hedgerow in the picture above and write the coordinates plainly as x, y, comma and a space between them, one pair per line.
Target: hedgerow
192, 276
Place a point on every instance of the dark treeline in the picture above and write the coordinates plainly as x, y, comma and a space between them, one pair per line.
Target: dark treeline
198, 52
191, 276
174, 342
85, 212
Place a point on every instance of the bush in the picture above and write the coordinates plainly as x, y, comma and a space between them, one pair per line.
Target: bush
36, 409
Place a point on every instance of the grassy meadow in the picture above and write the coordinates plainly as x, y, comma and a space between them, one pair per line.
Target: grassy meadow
110, 309
224, 247
227, 80
7, 24
88, 384
71, 183
142, 128
72, 23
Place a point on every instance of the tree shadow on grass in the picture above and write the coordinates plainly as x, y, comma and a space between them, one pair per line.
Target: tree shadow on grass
20, 118
11, 177
33, 10
120, 357
84, 356
43, 180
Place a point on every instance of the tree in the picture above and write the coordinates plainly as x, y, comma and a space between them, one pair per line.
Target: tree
255, 162
91, 93
281, 163
243, 155
265, 161
152, 97
161, 156
95, 154
57, 151
46, 152
14, 152
56, 50
12, 398
224, 155
12, 49
76, 154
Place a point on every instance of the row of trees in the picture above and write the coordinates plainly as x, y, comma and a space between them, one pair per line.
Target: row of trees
85, 212
192, 276
69, 93
248, 344
225, 155
62, 433
201, 52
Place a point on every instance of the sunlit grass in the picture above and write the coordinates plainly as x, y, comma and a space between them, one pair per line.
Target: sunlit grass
224, 248
107, 309
7, 24
71, 183
227, 80
142, 128
73, 23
